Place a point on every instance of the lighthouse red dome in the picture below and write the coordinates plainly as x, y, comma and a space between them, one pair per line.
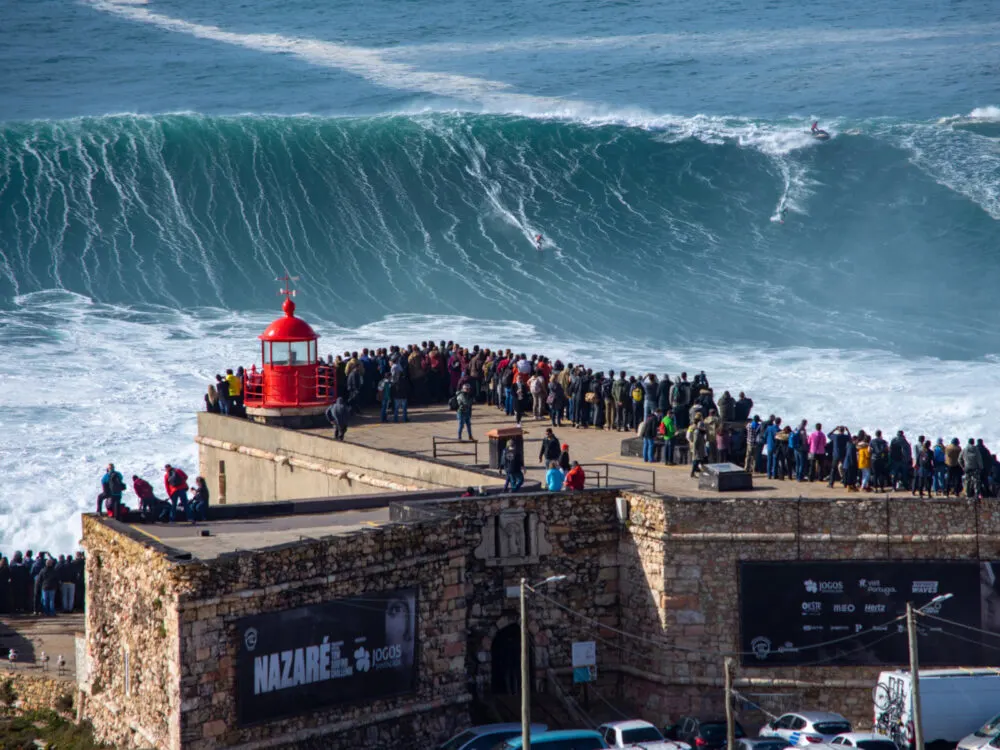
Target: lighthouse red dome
289, 328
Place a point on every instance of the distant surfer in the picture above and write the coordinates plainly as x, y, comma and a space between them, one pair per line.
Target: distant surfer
538, 241
781, 215
818, 133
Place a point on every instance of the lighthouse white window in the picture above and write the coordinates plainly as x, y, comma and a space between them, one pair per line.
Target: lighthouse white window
299, 352
279, 353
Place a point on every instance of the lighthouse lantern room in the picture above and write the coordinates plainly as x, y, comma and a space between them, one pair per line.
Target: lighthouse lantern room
292, 388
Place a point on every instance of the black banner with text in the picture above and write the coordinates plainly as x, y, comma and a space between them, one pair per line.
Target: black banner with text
839, 613
303, 659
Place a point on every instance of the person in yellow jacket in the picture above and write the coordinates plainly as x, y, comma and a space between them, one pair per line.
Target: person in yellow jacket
235, 385
865, 465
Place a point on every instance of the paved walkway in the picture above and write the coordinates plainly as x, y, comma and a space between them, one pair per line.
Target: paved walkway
600, 448
29, 636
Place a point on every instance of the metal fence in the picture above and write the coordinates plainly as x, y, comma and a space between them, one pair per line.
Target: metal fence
445, 451
605, 474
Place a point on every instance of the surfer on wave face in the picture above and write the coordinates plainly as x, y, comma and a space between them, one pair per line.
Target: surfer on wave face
538, 241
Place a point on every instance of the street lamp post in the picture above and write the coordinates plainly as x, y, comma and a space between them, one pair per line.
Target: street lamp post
525, 671
911, 632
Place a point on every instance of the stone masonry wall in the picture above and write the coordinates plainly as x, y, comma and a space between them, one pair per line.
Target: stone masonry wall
131, 615
427, 556
38, 692
178, 621
577, 536
679, 567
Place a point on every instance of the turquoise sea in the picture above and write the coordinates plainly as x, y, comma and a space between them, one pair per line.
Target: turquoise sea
162, 161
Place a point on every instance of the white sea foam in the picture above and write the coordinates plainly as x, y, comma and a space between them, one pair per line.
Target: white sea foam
979, 114
989, 114
733, 41
958, 159
85, 384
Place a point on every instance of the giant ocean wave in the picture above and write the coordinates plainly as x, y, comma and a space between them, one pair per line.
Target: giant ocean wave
655, 227
138, 256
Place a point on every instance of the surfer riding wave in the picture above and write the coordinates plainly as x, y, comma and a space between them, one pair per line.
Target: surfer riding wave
818, 133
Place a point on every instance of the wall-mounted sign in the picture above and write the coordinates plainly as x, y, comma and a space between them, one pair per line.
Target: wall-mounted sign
844, 612
303, 659
584, 661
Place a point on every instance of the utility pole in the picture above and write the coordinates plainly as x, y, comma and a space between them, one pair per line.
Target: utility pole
911, 630
730, 721
525, 687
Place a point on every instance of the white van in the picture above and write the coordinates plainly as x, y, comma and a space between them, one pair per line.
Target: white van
954, 703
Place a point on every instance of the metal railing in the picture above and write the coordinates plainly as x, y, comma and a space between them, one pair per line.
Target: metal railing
593, 471
291, 386
437, 452
611, 472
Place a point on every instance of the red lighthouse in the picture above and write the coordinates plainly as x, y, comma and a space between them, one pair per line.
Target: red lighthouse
292, 388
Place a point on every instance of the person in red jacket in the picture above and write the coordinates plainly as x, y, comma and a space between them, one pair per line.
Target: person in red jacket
175, 480
575, 477
147, 500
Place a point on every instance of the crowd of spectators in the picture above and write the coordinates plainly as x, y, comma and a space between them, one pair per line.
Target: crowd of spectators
678, 420
41, 584
151, 508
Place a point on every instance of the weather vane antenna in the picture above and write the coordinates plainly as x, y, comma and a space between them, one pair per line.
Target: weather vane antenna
287, 290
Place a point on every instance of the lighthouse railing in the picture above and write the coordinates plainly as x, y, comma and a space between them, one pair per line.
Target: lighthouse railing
290, 387
253, 387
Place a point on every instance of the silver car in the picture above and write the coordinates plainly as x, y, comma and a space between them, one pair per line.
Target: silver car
858, 741
804, 728
985, 735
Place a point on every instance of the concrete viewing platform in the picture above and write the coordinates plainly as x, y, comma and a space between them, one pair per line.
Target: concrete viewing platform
598, 451
287, 485
206, 541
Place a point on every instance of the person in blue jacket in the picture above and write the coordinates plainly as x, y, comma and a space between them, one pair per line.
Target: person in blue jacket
554, 477
772, 453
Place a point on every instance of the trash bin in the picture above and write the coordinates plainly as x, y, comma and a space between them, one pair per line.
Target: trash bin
499, 438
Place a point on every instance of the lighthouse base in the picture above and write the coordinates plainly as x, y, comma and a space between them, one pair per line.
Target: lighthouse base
296, 417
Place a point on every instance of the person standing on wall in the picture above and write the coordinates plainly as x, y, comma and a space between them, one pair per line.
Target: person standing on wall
463, 401
339, 415
650, 427
513, 465
697, 440
112, 487
235, 384
175, 482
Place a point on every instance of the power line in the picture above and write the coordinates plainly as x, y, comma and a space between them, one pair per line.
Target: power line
673, 647
958, 624
968, 640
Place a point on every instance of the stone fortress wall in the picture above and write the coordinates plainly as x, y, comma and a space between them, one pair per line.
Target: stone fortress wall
667, 572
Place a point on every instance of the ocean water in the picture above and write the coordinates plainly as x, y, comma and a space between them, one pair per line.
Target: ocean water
162, 161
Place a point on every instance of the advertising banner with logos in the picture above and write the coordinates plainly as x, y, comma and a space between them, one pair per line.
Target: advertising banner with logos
840, 613
299, 660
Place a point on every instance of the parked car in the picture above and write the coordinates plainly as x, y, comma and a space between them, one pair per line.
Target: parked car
987, 734
953, 703
567, 739
486, 736
858, 740
703, 734
638, 734
806, 727
762, 743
